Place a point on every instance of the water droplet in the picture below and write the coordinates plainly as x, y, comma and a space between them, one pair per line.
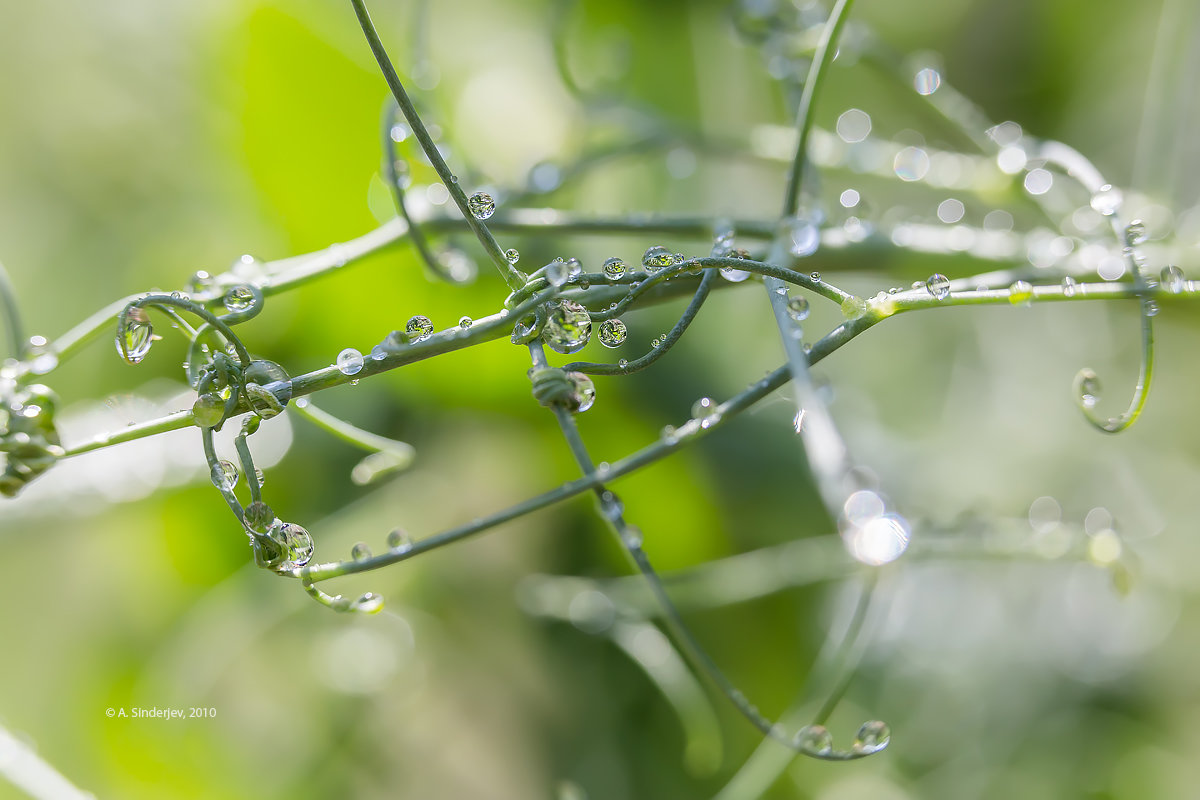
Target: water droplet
1150, 308
296, 542
657, 257
1172, 279
706, 411
814, 739
418, 327
1069, 286
568, 328
556, 272
238, 298
611, 506
574, 268
1089, 388
369, 603
399, 132
200, 282
612, 333
224, 474
938, 285
208, 410
360, 552
42, 358
583, 394
1107, 200
1135, 233
1020, 292
797, 306
816, 276
614, 268
258, 517
911, 164
872, 737
631, 535
623, 363
734, 275
349, 361
512, 256
482, 205
655, 342
801, 236
853, 307
268, 388
135, 334
399, 540
378, 353
927, 81
853, 125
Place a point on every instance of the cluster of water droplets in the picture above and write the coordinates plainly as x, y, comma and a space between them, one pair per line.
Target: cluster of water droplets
817, 741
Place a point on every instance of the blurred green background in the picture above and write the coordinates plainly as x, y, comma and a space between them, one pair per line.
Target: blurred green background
143, 141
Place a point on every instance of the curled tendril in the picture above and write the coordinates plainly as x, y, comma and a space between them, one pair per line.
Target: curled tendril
367, 603
391, 168
1086, 385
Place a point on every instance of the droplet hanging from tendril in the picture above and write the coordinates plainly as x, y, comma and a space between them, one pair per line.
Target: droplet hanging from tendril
612, 333
135, 334
568, 328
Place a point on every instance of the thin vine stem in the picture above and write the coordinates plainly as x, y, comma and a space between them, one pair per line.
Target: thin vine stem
490, 245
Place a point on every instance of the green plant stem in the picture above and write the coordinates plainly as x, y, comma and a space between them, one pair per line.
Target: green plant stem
351, 434
490, 245
826, 49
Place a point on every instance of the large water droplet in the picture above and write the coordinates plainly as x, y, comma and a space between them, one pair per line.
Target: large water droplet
418, 327
614, 268
512, 256
465, 322
224, 474
568, 328
872, 737
612, 333
656, 258
134, 334
482, 205
814, 739
297, 544
238, 298
350, 361
268, 387
797, 306
360, 551
1172, 279
208, 410
1107, 200
938, 285
258, 517
583, 394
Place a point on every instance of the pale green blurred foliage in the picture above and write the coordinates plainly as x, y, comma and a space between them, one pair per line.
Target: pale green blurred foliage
143, 141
